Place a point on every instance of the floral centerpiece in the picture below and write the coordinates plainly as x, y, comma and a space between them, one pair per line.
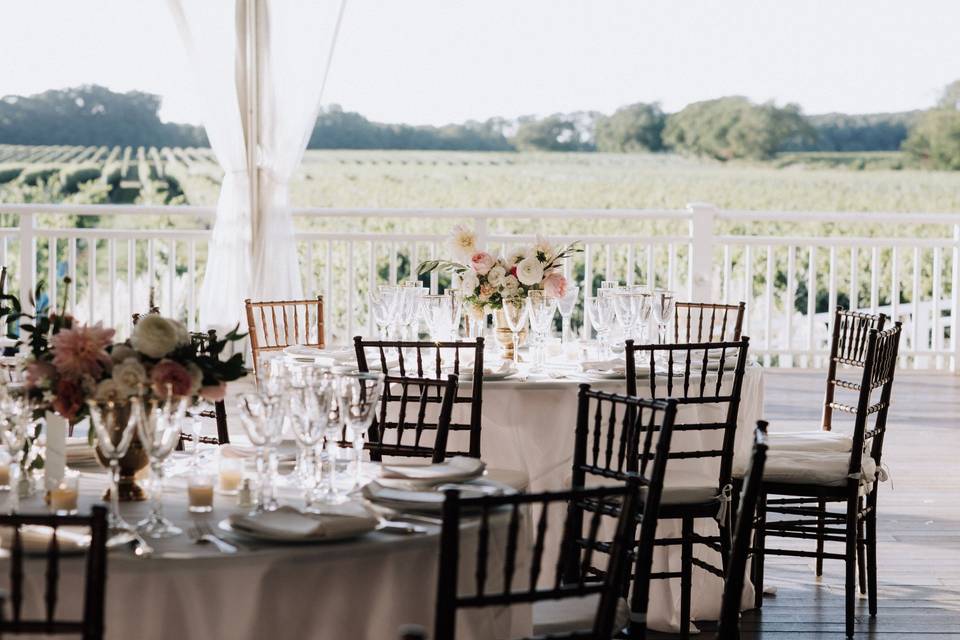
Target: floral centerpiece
68, 363
486, 280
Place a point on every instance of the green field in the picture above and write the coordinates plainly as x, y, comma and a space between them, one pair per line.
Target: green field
797, 182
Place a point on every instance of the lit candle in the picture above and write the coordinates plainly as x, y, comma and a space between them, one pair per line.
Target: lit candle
63, 497
230, 480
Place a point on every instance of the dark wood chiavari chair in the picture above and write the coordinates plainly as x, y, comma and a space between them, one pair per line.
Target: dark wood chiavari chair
201, 342
801, 505
729, 628
693, 376
848, 346
278, 324
615, 438
434, 360
405, 406
707, 322
609, 583
91, 627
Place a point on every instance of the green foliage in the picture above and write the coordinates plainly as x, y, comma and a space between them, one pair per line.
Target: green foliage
73, 176
37, 173
10, 172
935, 140
339, 129
92, 115
733, 127
553, 133
637, 127
843, 132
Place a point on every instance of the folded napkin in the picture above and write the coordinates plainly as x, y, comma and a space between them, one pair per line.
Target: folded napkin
287, 523
456, 469
246, 452
80, 452
428, 500
36, 539
617, 365
466, 370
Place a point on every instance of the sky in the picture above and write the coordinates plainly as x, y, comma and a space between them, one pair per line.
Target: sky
440, 61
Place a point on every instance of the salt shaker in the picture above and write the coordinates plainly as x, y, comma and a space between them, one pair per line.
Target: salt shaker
245, 494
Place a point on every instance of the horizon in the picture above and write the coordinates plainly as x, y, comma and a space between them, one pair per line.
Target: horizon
473, 61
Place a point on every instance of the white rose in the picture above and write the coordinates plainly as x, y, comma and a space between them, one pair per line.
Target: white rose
469, 282
122, 352
495, 275
156, 336
510, 285
516, 256
530, 271
128, 376
463, 243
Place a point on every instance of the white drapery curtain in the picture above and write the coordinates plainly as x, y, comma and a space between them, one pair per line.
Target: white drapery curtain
280, 71
214, 35
296, 41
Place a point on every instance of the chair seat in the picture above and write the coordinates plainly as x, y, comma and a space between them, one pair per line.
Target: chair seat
810, 441
821, 468
688, 488
573, 614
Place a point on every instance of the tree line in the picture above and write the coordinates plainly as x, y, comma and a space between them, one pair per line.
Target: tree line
726, 128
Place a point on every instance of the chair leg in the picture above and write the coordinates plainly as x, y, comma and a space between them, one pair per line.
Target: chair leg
821, 511
872, 553
850, 581
759, 538
861, 551
686, 577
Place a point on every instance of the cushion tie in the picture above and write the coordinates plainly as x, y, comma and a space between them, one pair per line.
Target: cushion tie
724, 512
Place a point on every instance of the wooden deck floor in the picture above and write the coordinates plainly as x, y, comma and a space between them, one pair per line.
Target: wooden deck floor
918, 527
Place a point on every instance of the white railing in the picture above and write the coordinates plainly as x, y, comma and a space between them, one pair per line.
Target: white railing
904, 264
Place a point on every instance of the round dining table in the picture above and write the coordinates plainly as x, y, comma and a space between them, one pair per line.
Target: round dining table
361, 588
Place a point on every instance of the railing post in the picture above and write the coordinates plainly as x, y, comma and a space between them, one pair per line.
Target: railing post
954, 300
701, 251
480, 229
28, 256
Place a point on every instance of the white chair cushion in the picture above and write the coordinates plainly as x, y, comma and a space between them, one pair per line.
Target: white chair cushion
810, 441
688, 488
824, 468
573, 614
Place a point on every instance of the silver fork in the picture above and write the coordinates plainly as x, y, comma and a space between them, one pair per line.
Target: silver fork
200, 533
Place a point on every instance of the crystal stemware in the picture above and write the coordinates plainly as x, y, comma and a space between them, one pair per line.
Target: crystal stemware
662, 307
566, 304
309, 423
628, 306
113, 440
515, 313
382, 310
158, 426
262, 418
357, 398
602, 312
441, 314
541, 309
15, 439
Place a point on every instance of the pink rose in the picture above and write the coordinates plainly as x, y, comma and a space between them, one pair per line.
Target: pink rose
555, 285
174, 375
482, 262
486, 291
214, 392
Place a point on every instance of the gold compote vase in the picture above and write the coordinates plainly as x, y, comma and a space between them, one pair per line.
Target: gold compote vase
115, 419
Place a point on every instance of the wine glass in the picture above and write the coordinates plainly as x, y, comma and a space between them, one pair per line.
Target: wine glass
602, 312
382, 310
663, 305
541, 309
515, 313
15, 438
158, 426
628, 306
309, 424
566, 304
113, 440
262, 418
357, 398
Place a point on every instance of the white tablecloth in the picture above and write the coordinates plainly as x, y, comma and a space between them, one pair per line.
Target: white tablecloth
529, 426
359, 589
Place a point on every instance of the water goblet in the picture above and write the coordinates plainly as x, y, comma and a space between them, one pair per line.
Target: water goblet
114, 435
15, 439
515, 313
357, 397
158, 427
541, 309
566, 304
262, 418
382, 311
602, 312
309, 423
662, 307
